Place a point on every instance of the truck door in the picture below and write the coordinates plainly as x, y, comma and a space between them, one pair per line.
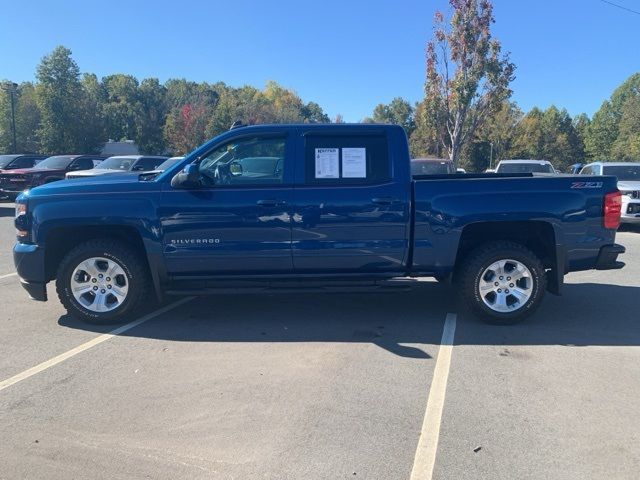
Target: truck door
239, 221
349, 214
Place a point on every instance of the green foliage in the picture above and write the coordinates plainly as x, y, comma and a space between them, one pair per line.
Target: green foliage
604, 139
27, 118
398, 112
151, 116
548, 135
66, 113
59, 96
5, 117
627, 144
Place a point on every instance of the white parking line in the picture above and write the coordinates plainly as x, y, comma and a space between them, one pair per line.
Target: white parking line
425, 457
8, 275
86, 346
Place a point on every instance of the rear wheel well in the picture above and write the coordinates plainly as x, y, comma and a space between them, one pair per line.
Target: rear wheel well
61, 240
539, 237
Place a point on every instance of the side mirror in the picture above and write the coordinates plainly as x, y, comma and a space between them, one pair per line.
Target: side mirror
236, 169
189, 177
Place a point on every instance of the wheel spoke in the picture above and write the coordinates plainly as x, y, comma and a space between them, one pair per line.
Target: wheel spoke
501, 301
118, 293
81, 288
90, 267
100, 302
520, 295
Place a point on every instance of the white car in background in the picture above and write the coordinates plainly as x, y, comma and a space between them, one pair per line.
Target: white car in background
525, 166
628, 174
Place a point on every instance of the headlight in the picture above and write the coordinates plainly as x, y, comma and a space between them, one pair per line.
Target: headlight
21, 209
22, 229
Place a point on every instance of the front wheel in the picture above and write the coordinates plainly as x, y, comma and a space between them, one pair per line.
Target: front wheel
503, 282
101, 282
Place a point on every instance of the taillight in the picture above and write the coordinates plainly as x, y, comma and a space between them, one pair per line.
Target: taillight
612, 209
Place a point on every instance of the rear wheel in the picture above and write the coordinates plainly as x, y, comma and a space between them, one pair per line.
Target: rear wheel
101, 282
503, 282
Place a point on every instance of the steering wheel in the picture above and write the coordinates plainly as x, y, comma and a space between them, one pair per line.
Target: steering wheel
222, 175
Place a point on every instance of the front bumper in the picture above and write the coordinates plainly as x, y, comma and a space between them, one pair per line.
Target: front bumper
13, 189
608, 257
29, 261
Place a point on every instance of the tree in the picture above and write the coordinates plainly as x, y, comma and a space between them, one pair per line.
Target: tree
627, 144
27, 118
121, 109
547, 135
425, 138
185, 128
397, 112
467, 75
498, 131
6, 134
313, 113
59, 98
581, 124
93, 98
604, 128
151, 117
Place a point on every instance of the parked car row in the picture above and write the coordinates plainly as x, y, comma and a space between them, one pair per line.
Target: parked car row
23, 172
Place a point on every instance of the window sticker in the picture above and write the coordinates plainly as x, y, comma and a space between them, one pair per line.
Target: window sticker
327, 163
354, 163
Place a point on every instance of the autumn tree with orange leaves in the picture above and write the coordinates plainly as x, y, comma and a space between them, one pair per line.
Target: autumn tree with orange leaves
468, 76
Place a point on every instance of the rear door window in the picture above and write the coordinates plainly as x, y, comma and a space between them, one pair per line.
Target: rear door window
346, 159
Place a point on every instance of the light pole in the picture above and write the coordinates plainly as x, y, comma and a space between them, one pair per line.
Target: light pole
11, 88
491, 156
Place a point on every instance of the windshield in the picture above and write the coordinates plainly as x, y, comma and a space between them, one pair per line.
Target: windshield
168, 163
117, 163
6, 160
55, 163
431, 168
623, 172
524, 168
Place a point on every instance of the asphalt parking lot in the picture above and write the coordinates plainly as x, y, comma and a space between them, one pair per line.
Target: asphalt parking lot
324, 386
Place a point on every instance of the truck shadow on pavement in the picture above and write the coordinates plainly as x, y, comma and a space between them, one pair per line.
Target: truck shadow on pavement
407, 324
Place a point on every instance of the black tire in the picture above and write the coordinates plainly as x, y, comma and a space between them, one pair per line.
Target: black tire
480, 259
129, 261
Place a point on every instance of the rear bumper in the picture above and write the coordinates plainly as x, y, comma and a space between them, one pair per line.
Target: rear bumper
608, 257
29, 262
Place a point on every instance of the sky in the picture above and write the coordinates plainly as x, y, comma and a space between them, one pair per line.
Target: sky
346, 55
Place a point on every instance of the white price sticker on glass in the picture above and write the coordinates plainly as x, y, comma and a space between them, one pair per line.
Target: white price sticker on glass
327, 163
354, 163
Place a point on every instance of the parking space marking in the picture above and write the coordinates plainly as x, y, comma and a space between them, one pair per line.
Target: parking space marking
86, 346
425, 457
8, 275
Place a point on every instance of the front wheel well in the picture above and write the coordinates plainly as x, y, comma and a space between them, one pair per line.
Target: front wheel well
537, 236
61, 240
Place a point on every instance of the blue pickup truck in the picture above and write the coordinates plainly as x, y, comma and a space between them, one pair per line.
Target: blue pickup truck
263, 208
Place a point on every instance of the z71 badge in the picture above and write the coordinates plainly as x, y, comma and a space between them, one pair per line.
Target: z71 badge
586, 185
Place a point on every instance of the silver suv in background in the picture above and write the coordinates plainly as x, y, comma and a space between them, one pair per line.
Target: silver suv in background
628, 183
525, 166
